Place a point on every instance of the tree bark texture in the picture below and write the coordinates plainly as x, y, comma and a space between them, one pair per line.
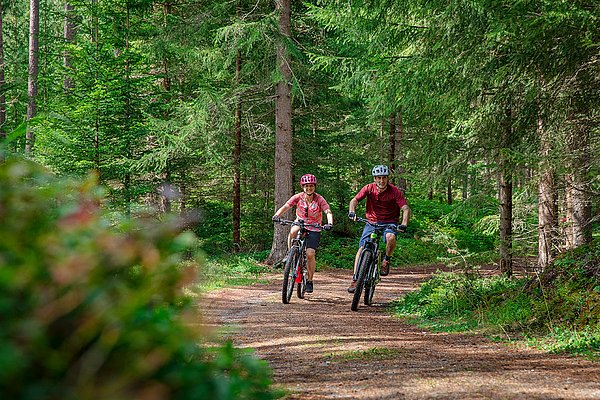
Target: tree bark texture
283, 130
392, 147
166, 83
578, 190
32, 86
95, 41
401, 159
167, 191
547, 200
382, 126
237, 151
505, 190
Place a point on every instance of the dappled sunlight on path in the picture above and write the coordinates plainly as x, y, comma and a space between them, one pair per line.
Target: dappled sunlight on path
320, 349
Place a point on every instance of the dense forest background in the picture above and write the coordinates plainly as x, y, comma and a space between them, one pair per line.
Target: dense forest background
126, 124
172, 104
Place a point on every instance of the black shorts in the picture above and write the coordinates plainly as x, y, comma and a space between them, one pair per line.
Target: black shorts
313, 239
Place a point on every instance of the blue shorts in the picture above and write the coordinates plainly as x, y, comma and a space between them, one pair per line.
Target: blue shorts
367, 232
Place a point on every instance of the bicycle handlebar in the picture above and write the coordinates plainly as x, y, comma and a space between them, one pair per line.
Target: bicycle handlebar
300, 223
378, 225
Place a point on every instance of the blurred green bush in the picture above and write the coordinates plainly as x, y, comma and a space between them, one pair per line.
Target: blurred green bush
95, 310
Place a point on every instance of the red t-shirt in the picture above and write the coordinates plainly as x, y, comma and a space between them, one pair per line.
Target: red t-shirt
384, 206
312, 213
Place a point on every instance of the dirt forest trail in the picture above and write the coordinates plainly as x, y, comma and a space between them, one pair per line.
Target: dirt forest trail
320, 349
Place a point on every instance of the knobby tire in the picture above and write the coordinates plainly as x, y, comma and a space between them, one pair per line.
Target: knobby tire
363, 266
288, 275
371, 281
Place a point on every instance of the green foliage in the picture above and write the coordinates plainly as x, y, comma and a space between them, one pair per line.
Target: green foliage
435, 228
449, 233
462, 299
215, 227
230, 270
557, 310
336, 251
584, 341
91, 310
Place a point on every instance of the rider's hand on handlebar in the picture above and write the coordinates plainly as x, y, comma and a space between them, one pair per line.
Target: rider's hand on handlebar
276, 218
402, 228
327, 227
352, 215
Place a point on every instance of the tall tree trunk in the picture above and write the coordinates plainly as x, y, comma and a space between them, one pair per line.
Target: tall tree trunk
465, 185
505, 197
44, 63
578, 191
183, 199
95, 40
547, 200
34, 27
2, 83
449, 198
69, 34
283, 129
237, 151
167, 77
400, 156
168, 191
382, 126
392, 146
128, 113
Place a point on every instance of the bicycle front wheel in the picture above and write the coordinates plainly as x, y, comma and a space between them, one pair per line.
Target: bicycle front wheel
363, 267
371, 281
289, 275
301, 288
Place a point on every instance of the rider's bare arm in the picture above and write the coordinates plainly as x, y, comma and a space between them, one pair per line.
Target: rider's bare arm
282, 210
405, 214
329, 215
352, 207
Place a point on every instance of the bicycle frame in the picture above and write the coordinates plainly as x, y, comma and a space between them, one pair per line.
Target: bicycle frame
367, 275
295, 270
300, 241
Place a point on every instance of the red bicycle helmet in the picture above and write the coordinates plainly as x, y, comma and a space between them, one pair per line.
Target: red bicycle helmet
308, 178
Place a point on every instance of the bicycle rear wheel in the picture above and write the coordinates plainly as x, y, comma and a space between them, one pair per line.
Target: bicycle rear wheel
363, 267
289, 275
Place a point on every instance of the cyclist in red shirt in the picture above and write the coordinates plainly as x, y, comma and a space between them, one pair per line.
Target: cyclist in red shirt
310, 207
384, 203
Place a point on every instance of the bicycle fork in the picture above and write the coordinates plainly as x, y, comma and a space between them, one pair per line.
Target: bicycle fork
302, 262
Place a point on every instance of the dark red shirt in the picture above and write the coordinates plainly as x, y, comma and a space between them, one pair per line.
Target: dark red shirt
384, 206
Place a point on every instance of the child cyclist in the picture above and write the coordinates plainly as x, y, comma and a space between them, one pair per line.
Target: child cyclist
310, 207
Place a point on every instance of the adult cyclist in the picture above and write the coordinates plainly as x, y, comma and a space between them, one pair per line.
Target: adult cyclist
384, 203
310, 207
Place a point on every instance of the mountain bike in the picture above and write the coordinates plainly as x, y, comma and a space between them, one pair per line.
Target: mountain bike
367, 273
295, 271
